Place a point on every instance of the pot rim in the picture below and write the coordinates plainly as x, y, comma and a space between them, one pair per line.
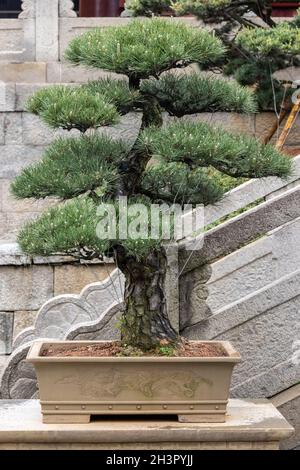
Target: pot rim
34, 357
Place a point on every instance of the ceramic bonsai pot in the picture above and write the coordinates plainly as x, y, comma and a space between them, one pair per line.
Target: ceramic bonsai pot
72, 389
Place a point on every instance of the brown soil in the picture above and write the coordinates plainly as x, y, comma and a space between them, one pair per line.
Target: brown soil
114, 348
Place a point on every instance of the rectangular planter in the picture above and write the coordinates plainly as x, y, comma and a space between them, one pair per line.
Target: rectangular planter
72, 389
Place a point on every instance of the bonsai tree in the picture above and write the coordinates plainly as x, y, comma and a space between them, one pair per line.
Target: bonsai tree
229, 20
183, 162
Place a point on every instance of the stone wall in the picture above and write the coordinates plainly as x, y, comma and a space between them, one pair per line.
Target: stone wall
27, 283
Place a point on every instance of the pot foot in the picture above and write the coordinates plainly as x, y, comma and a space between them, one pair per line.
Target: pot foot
209, 418
66, 419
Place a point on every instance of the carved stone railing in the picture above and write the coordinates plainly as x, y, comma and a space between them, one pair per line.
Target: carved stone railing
37, 30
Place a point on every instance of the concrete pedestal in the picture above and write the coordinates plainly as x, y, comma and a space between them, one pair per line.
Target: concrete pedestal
250, 425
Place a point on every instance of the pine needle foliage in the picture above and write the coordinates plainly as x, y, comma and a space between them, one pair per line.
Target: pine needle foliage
260, 49
143, 49
147, 7
69, 229
176, 183
116, 92
73, 166
181, 7
284, 39
185, 163
201, 145
72, 108
192, 93
204, 8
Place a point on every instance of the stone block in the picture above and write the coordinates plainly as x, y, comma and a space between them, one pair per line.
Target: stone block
11, 254
46, 39
288, 403
66, 316
285, 241
33, 72
23, 319
264, 327
13, 128
35, 132
8, 237
249, 192
10, 35
7, 96
8, 203
58, 72
288, 74
1, 129
6, 332
99, 330
13, 158
263, 123
3, 229
15, 220
71, 279
25, 288
285, 188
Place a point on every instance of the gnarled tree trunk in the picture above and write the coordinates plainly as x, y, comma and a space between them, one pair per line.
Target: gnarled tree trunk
145, 320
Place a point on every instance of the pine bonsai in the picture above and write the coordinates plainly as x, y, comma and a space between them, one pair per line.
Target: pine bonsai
182, 161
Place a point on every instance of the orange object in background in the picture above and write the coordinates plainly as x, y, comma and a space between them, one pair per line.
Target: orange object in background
100, 8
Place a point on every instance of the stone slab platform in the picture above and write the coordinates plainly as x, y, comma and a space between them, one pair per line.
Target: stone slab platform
250, 425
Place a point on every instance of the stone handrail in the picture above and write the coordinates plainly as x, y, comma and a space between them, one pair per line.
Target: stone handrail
250, 192
239, 230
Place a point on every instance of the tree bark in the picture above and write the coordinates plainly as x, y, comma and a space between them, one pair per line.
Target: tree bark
145, 321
